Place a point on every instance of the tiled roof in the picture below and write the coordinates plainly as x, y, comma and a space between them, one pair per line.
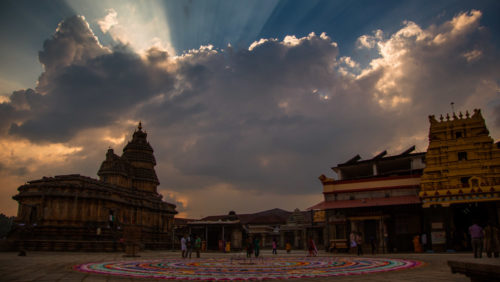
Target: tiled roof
358, 203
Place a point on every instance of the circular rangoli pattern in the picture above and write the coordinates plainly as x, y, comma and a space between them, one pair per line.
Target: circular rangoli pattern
232, 269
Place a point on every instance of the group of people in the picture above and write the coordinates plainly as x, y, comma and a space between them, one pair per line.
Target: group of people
188, 243
356, 242
487, 238
253, 247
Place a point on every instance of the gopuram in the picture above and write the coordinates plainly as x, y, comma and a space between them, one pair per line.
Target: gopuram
74, 212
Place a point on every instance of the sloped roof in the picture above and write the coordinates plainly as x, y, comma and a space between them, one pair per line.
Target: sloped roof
358, 203
272, 216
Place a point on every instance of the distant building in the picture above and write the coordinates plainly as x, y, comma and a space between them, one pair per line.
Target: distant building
461, 181
73, 212
377, 198
275, 224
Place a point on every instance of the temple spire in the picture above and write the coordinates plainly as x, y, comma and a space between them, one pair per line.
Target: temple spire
140, 126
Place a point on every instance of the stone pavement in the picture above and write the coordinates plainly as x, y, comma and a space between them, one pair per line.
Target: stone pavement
57, 266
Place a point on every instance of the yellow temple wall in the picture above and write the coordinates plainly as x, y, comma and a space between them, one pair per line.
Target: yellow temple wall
447, 178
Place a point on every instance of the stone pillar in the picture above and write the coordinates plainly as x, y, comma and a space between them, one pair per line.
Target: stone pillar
76, 212
282, 239
326, 239
263, 240
304, 239
98, 207
69, 213
296, 239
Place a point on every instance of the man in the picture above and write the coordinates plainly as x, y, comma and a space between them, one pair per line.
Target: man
491, 240
189, 245
476, 235
197, 246
359, 243
183, 246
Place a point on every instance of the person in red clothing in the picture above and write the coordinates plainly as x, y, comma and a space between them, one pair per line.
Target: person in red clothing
310, 247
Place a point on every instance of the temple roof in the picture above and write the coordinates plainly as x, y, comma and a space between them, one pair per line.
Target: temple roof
138, 150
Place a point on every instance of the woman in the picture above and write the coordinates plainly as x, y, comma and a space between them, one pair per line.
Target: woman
275, 247
352, 239
312, 248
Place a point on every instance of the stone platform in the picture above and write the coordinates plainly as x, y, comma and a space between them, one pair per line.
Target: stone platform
60, 266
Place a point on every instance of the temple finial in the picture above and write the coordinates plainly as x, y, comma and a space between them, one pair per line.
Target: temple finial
140, 126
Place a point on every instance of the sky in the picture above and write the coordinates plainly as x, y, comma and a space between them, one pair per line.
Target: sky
245, 103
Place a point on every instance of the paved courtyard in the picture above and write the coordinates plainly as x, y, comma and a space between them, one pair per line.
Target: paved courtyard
58, 266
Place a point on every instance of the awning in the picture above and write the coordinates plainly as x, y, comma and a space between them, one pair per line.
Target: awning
359, 203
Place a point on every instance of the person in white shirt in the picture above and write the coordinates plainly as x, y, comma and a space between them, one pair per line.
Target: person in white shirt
183, 246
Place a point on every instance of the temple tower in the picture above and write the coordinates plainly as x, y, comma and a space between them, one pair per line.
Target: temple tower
139, 154
462, 161
135, 168
461, 181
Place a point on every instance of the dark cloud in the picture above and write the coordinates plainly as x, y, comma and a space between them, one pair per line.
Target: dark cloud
85, 85
16, 171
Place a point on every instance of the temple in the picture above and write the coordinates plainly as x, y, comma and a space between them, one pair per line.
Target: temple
461, 181
409, 199
74, 212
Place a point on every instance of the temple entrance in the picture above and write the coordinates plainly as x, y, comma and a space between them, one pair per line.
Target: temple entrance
371, 230
214, 235
464, 215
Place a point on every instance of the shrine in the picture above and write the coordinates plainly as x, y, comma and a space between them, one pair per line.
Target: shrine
74, 212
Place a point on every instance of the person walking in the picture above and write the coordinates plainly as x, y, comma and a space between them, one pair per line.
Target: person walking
288, 247
359, 243
275, 247
189, 245
491, 242
373, 244
256, 246
183, 246
312, 248
476, 235
352, 239
197, 246
249, 247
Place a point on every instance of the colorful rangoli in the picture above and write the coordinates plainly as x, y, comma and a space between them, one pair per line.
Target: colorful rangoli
230, 269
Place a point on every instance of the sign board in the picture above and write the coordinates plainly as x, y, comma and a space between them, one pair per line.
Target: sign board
438, 237
319, 216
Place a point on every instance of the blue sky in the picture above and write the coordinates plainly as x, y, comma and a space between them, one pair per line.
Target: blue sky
248, 100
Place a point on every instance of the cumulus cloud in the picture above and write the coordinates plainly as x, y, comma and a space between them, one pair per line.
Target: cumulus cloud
108, 21
369, 41
259, 123
418, 65
85, 85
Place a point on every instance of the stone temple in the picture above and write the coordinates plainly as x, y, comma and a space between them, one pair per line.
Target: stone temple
74, 212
